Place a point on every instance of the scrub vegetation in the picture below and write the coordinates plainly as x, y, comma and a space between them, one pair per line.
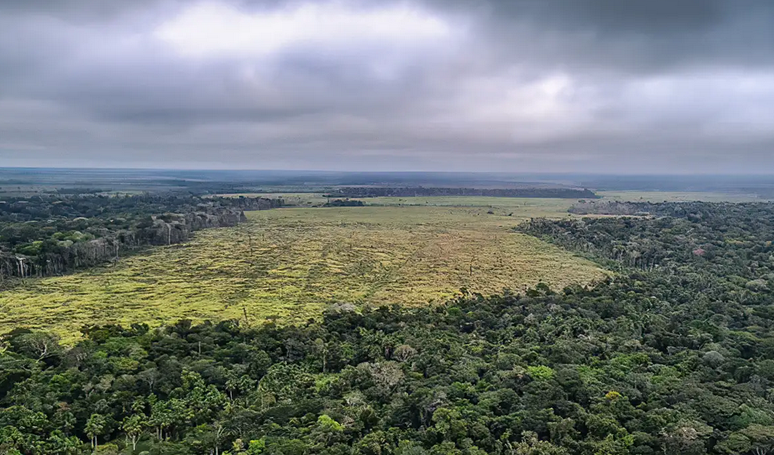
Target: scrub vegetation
289, 264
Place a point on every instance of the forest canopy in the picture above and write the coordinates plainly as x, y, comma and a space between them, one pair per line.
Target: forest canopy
51, 235
674, 354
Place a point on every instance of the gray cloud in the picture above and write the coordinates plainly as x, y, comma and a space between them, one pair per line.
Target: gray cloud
522, 85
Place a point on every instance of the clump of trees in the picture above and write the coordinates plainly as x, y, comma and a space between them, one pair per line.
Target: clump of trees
672, 355
48, 235
344, 203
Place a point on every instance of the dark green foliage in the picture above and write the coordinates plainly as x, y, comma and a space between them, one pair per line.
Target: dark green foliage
673, 356
729, 241
48, 235
84, 217
344, 203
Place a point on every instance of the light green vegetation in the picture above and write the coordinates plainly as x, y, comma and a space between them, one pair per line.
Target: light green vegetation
525, 207
519, 207
541, 204
291, 263
677, 196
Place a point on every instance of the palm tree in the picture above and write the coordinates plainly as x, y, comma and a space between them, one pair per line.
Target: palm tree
133, 426
94, 427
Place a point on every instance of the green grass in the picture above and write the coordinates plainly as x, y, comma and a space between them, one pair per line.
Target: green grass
524, 207
677, 196
291, 263
519, 207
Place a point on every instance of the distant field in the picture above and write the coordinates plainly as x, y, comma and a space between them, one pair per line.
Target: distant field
518, 206
291, 263
678, 196
521, 207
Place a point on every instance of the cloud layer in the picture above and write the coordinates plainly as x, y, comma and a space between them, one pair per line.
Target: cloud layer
510, 85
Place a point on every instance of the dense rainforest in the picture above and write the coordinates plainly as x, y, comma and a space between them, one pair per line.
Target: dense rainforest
53, 234
674, 354
376, 191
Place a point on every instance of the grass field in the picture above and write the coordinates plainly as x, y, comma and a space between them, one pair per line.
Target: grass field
291, 263
520, 205
678, 196
524, 207
521, 208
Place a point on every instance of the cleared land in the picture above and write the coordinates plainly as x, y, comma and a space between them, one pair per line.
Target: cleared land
678, 196
291, 263
521, 207
535, 206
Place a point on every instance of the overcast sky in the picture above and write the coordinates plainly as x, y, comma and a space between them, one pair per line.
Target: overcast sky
479, 85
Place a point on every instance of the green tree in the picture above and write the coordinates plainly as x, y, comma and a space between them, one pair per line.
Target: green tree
95, 427
60, 444
328, 430
134, 426
531, 445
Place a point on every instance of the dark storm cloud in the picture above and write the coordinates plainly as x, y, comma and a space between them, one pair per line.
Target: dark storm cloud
587, 85
631, 35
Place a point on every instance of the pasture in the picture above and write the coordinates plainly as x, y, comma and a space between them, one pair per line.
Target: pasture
678, 196
289, 264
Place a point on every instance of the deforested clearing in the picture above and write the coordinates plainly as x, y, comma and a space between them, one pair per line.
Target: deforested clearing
289, 264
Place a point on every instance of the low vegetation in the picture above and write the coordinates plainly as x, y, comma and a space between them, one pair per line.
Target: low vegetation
420, 191
290, 263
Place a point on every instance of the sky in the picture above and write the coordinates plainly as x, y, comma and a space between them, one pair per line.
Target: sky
604, 86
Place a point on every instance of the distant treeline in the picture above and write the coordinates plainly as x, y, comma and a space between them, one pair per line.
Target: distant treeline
344, 203
43, 236
729, 239
77, 190
693, 211
367, 191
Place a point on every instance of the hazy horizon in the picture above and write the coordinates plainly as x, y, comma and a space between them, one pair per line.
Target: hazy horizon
624, 173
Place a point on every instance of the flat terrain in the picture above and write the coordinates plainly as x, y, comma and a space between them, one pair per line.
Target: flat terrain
678, 196
296, 199
532, 206
291, 263
521, 207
